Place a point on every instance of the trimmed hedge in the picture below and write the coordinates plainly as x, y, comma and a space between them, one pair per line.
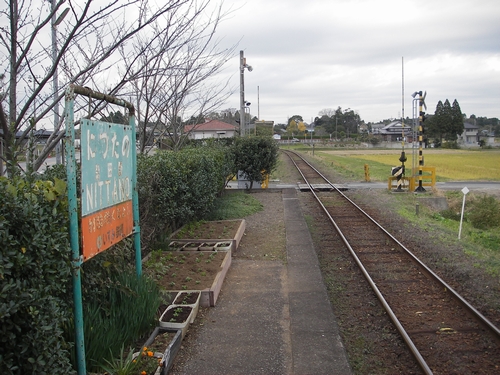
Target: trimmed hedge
35, 277
178, 187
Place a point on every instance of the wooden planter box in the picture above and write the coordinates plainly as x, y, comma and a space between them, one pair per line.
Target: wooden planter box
170, 351
207, 243
209, 296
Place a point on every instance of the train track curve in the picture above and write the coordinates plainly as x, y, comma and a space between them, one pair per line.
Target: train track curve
445, 333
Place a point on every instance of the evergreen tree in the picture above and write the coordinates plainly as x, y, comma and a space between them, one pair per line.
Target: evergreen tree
457, 119
446, 122
433, 126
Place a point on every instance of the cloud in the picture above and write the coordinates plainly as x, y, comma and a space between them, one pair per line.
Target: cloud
319, 54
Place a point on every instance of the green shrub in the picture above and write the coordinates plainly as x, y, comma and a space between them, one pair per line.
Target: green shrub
35, 277
450, 145
451, 214
255, 155
485, 213
178, 187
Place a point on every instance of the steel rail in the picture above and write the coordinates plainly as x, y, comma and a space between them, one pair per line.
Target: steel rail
415, 352
454, 293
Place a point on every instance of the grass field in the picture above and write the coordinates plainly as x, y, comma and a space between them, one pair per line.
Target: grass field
460, 165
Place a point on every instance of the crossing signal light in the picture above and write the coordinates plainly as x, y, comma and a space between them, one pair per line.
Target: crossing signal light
423, 117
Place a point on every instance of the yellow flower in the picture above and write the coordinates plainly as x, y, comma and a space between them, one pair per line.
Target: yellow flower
150, 354
144, 373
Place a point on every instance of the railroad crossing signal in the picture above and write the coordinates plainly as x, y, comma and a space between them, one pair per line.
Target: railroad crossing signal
421, 119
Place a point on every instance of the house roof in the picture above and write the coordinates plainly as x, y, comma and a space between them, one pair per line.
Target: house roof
209, 126
468, 125
392, 128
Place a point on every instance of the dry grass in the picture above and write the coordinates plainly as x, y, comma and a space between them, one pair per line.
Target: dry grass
450, 164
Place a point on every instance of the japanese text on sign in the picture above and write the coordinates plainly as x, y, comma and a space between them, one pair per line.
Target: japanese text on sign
106, 165
106, 160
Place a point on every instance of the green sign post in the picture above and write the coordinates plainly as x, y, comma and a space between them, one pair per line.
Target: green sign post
110, 204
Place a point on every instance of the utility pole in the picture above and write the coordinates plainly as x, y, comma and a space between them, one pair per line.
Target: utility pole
243, 65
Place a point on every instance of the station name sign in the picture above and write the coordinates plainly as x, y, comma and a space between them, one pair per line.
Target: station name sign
106, 185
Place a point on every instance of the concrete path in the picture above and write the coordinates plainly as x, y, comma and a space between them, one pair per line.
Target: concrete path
272, 318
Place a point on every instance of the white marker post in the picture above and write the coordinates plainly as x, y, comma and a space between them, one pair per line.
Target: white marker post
465, 191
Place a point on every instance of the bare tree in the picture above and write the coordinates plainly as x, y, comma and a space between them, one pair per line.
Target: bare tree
85, 52
176, 75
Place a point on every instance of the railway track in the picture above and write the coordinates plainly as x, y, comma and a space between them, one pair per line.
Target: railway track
445, 334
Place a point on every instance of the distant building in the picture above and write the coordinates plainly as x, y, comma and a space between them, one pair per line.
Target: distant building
470, 136
210, 129
393, 132
377, 127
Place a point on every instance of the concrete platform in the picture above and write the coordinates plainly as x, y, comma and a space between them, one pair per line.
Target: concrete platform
272, 318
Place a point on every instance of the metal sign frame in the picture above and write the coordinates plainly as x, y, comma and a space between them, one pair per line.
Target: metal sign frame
111, 143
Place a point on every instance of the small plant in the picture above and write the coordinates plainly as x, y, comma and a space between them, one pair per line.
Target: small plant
147, 362
185, 299
123, 365
171, 283
144, 364
188, 279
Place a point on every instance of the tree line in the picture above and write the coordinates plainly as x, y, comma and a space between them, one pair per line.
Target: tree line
445, 124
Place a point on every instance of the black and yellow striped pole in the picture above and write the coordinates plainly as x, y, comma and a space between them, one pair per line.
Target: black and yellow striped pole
401, 172
398, 172
421, 119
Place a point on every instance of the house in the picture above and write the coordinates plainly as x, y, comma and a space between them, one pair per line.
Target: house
394, 132
375, 128
40, 136
470, 136
210, 129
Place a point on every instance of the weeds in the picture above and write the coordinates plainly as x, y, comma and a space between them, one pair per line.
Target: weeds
485, 213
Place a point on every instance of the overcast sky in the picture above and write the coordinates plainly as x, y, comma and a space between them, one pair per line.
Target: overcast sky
309, 55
